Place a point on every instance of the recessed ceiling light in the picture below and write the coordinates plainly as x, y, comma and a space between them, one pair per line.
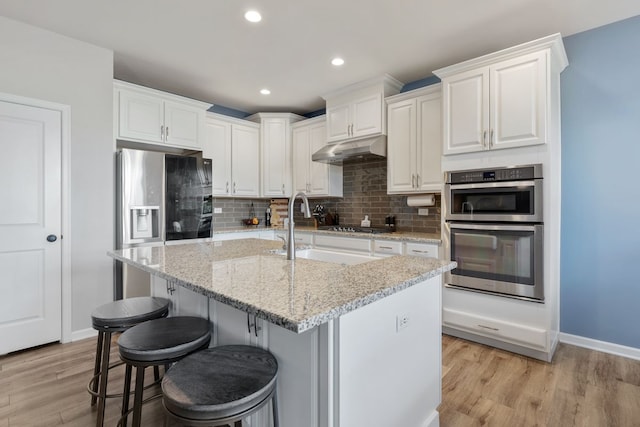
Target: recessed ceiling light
253, 16
337, 61
265, 91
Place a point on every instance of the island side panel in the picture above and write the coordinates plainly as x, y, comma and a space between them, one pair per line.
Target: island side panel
388, 360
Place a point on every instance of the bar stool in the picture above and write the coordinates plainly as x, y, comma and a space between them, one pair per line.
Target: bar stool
117, 316
155, 343
221, 385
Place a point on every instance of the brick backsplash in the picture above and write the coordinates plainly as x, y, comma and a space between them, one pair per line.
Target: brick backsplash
365, 193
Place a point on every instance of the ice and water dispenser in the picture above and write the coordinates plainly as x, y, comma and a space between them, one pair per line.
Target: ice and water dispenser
145, 222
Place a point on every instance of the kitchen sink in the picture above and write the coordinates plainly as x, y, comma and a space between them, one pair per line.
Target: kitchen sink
336, 257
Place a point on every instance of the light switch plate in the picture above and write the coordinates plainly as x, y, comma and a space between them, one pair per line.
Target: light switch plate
217, 210
423, 211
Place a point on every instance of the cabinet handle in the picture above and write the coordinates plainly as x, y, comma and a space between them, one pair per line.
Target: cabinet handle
162, 132
385, 247
484, 139
491, 138
419, 251
227, 187
282, 188
489, 328
166, 132
234, 187
413, 181
256, 328
417, 180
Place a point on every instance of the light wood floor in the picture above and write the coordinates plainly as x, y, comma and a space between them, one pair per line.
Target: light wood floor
482, 386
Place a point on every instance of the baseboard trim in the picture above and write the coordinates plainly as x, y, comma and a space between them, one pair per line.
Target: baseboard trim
603, 346
83, 334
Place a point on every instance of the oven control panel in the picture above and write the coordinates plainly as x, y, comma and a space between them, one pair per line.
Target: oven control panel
517, 173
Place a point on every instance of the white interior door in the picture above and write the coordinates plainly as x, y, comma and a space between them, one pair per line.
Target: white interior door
30, 214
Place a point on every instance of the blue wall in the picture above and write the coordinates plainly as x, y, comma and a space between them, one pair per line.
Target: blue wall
600, 285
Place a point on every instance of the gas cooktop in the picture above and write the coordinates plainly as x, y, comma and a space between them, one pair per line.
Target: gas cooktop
355, 229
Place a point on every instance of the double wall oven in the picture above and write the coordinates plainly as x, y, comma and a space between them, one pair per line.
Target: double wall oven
494, 225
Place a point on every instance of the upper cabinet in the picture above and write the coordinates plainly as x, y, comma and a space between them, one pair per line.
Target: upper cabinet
414, 141
504, 99
359, 110
314, 178
235, 152
150, 116
275, 132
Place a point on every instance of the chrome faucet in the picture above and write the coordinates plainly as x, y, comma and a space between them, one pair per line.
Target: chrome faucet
291, 244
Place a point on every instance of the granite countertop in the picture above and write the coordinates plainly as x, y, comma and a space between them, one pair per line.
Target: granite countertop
405, 236
296, 295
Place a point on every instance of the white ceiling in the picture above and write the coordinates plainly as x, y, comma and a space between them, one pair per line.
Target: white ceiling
204, 49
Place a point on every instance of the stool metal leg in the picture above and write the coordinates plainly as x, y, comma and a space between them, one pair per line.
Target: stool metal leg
125, 393
156, 373
274, 407
96, 368
137, 399
104, 374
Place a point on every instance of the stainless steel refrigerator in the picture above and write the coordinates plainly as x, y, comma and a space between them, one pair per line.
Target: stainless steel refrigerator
160, 198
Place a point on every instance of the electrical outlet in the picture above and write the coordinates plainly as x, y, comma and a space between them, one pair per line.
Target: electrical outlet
217, 210
423, 211
402, 321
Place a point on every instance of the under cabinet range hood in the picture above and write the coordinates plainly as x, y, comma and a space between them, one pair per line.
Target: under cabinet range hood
364, 148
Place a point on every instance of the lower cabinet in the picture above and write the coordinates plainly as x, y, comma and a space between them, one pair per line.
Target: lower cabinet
518, 334
425, 250
183, 301
297, 356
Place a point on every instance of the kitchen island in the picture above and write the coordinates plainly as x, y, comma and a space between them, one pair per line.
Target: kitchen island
357, 345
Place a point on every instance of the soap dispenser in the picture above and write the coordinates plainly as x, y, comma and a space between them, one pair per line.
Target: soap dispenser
365, 222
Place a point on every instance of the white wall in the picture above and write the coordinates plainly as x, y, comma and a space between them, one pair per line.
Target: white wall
44, 65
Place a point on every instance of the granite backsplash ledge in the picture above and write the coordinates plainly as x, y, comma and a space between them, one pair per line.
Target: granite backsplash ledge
364, 193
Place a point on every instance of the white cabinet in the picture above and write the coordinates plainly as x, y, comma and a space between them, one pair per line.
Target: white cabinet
314, 178
264, 234
183, 301
358, 110
501, 100
149, 116
414, 143
351, 244
387, 247
235, 148
275, 142
425, 250
355, 119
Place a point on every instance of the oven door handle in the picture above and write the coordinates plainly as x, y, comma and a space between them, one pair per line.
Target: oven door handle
493, 227
500, 184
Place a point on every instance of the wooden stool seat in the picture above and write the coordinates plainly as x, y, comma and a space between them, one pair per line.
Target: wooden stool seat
221, 385
158, 342
117, 316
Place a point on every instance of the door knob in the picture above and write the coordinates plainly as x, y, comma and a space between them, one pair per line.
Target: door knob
52, 238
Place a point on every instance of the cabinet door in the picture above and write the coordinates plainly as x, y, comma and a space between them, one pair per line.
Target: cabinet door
367, 116
141, 117
276, 158
218, 134
231, 325
338, 123
429, 143
189, 303
518, 102
320, 173
401, 151
301, 159
245, 161
182, 125
424, 250
465, 109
